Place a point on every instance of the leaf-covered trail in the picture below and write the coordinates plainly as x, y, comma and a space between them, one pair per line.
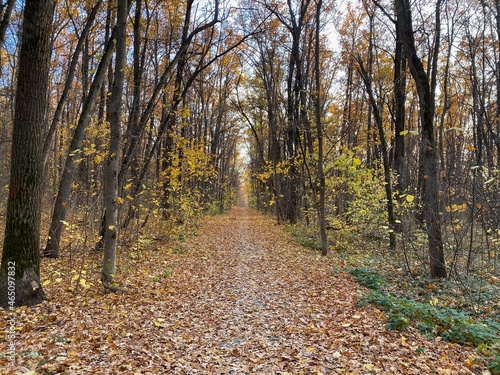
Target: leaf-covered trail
240, 300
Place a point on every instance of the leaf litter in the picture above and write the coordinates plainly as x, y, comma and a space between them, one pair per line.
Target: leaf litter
241, 299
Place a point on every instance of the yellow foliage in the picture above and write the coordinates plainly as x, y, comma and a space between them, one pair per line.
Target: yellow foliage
456, 207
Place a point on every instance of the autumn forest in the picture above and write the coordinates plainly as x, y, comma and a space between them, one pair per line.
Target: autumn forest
262, 186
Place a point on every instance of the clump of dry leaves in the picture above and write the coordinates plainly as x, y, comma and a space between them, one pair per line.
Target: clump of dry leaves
236, 299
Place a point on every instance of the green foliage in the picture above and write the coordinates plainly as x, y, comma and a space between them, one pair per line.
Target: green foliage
367, 277
450, 324
491, 353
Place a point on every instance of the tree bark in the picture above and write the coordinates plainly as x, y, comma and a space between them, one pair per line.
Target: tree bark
399, 113
20, 265
319, 135
428, 162
113, 161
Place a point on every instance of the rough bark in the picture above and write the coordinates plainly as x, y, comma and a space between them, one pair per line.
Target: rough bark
112, 165
22, 227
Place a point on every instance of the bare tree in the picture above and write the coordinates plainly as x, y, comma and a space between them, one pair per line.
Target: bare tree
428, 159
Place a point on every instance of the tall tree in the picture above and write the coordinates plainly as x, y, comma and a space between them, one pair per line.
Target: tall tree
399, 113
319, 134
22, 227
64, 191
428, 159
384, 151
5, 13
69, 78
295, 20
113, 162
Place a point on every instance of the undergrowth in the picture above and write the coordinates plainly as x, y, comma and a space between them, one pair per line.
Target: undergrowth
412, 300
450, 324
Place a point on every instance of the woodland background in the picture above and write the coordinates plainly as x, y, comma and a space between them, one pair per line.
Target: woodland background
372, 128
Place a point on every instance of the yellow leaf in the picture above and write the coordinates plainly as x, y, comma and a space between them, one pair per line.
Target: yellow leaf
158, 322
489, 181
410, 198
310, 349
58, 280
434, 301
120, 200
46, 282
470, 361
83, 283
368, 366
111, 227
404, 132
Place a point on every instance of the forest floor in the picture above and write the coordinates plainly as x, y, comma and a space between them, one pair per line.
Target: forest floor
236, 298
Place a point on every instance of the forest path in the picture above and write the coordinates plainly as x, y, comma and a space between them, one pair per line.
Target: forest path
240, 299
254, 303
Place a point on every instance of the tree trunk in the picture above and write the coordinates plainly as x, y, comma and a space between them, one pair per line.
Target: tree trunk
497, 75
319, 134
69, 79
385, 153
139, 56
4, 22
64, 192
399, 114
112, 166
20, 266
428, 162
